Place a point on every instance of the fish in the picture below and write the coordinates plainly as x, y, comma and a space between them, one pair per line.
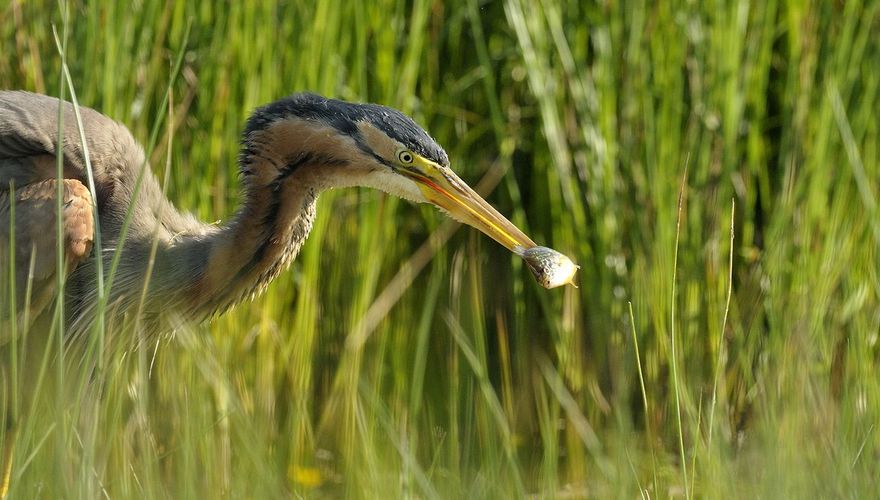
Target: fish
550, 268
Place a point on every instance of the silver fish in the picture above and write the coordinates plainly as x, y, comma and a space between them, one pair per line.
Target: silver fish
551, 268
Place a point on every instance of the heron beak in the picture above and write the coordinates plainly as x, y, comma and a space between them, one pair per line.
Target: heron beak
447, 191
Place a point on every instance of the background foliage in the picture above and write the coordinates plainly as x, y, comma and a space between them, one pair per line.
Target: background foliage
403, 357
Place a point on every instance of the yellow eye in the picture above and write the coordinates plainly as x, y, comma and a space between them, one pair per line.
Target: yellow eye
405, 157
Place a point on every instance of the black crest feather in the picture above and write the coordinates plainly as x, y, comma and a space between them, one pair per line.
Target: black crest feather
344, 117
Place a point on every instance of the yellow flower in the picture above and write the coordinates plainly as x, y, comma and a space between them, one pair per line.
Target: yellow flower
309, 477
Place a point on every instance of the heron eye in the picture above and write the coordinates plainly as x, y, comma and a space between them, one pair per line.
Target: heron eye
405, 157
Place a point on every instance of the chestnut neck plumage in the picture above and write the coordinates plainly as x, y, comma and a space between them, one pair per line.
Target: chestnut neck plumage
202, 270
284, 168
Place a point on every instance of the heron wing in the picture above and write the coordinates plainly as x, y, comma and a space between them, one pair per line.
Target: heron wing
34, 250
29, 138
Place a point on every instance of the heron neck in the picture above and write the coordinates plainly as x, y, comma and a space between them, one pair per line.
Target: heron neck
262, 239
204, 270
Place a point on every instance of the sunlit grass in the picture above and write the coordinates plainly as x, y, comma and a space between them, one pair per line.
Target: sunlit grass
456, 376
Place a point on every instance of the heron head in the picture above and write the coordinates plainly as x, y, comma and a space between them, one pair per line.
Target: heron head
382, 148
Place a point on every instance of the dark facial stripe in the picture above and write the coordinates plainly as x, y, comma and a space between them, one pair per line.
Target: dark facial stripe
292, 166
362, 145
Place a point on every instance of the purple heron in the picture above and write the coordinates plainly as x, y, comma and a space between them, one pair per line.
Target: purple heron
291, 151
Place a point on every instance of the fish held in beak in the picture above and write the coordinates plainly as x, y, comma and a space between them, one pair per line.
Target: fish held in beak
550, 268
447, 191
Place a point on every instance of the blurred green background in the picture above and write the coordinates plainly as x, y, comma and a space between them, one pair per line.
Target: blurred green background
400, 357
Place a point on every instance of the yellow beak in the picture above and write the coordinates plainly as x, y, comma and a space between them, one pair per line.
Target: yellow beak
440, 186
444, 189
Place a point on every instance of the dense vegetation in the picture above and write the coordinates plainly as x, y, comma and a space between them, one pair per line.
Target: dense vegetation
657, 144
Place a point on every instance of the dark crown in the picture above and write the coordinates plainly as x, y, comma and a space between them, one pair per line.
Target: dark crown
344, 116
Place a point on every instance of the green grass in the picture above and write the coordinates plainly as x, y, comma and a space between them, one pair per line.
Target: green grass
454, 375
